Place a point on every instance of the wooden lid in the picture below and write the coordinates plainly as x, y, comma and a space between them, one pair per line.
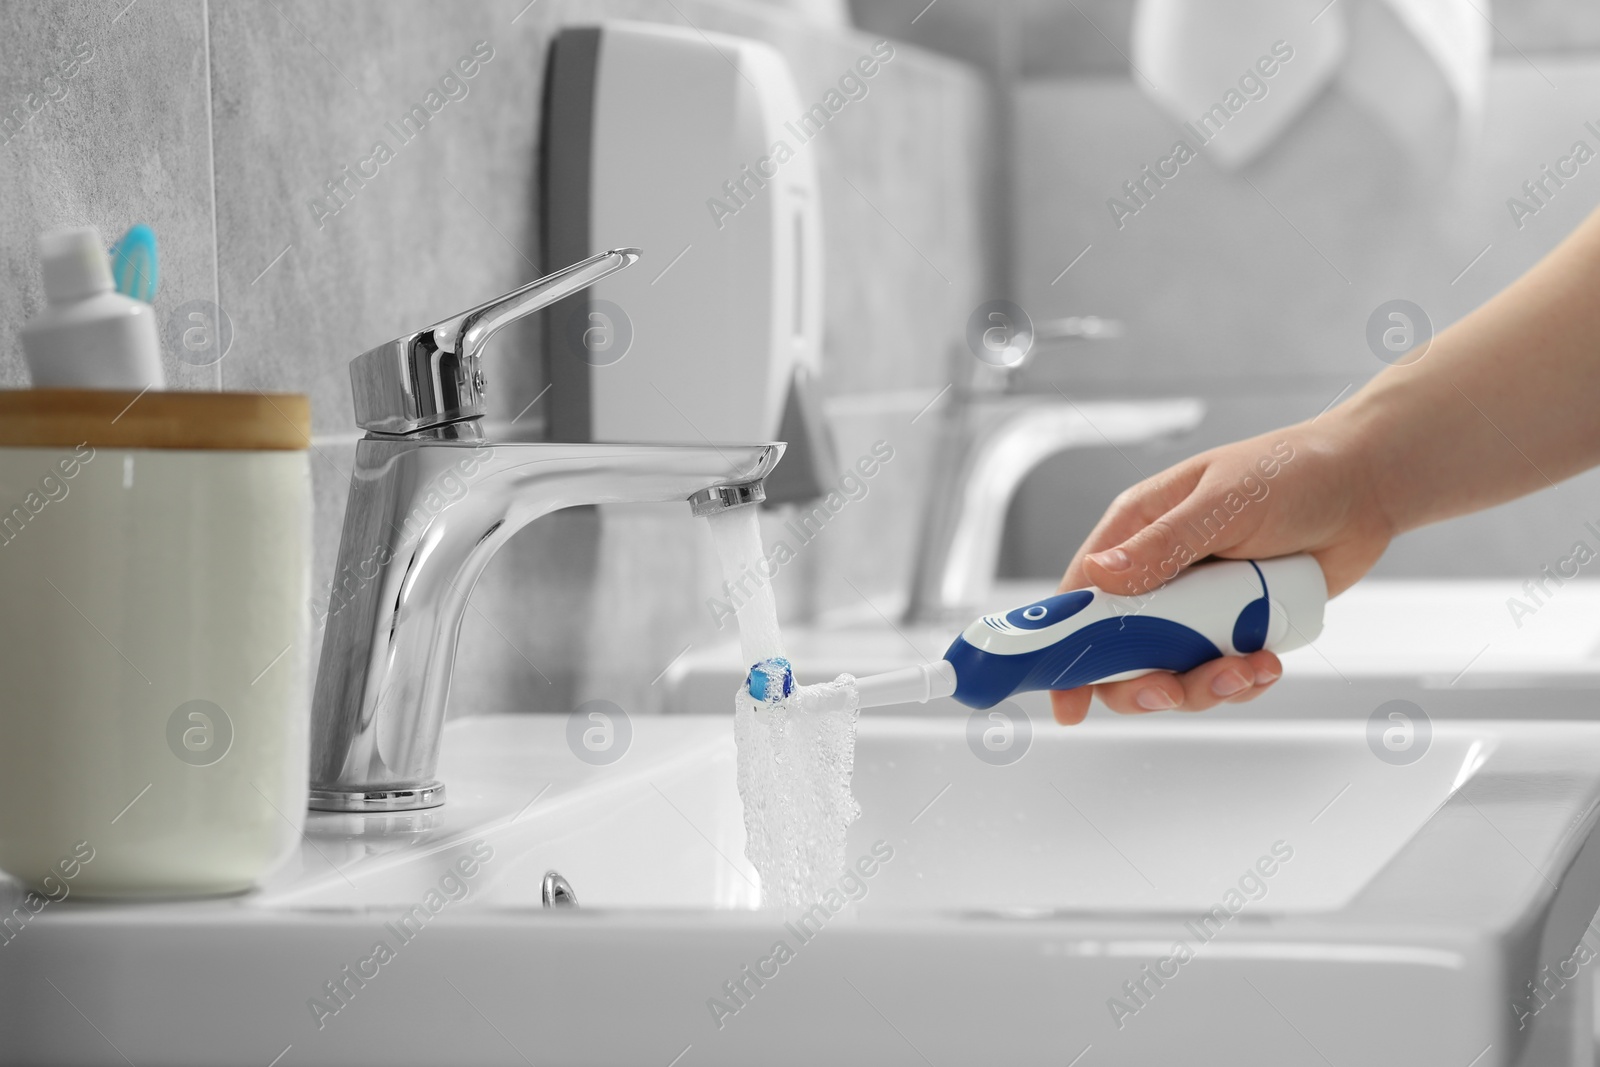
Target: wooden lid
244, 422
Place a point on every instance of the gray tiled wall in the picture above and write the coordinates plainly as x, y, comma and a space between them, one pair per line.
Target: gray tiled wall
126, 137
218, 123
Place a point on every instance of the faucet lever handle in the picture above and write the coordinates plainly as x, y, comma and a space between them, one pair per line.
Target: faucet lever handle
433, 376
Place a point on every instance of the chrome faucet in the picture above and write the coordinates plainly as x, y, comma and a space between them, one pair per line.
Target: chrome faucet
992, 438
996, 444
433, 496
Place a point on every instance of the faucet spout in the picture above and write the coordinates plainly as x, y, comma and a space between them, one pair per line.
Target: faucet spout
425, 516
1008, 439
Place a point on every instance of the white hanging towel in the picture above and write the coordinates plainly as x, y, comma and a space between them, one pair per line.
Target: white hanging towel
1238, 72
1421, 68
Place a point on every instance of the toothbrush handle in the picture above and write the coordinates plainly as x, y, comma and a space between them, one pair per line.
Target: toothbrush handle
1223, 608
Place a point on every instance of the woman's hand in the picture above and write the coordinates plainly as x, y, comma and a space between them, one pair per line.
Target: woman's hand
1467, 423
1305, 488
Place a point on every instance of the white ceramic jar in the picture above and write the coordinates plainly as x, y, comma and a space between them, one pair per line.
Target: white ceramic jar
154, 582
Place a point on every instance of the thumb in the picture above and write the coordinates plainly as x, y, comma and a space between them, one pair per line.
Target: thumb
1158, 552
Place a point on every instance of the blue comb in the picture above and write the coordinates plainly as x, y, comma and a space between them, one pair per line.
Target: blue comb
134, 264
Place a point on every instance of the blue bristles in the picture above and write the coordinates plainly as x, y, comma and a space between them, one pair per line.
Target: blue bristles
770, 680
135, 264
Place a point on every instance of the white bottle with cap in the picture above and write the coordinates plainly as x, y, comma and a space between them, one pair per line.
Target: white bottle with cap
89, 336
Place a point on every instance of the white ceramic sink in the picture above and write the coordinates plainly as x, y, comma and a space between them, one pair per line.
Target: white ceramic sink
1153, 821
661, 828
1018, 901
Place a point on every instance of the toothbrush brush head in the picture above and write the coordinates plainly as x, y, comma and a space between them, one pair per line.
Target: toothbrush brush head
771, 680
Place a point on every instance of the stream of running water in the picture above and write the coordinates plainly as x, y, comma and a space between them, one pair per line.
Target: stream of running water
795, 759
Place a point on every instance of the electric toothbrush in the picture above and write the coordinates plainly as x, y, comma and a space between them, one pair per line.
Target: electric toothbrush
1086, 636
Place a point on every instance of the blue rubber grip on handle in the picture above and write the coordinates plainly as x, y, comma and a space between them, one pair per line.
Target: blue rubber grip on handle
1099, 650
1085, 636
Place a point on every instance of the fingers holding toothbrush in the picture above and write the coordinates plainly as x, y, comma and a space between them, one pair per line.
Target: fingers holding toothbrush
1230, 680
1301, 489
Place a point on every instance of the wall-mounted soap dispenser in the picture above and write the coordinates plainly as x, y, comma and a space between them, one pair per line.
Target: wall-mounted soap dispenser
690, 146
